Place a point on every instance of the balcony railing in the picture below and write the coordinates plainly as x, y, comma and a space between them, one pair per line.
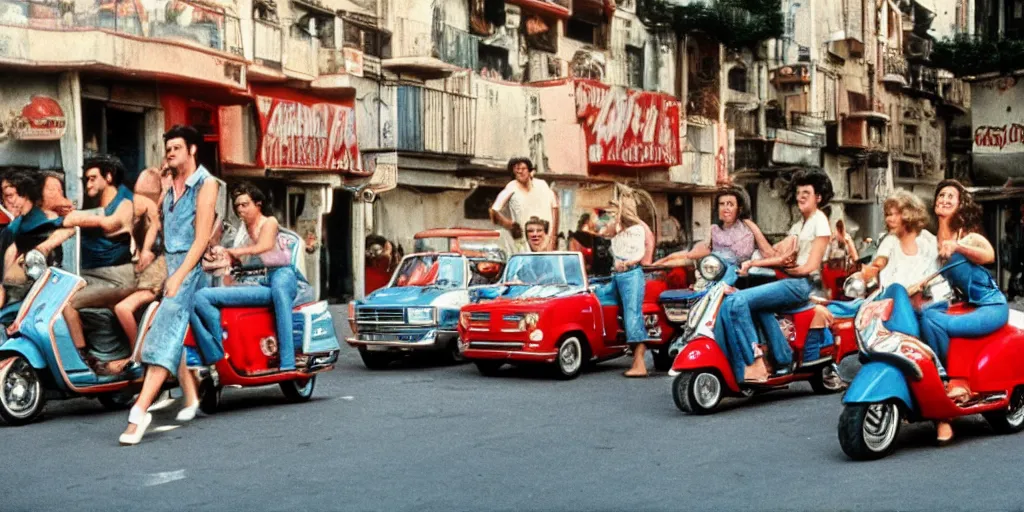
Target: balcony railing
302, 53
177, 20
744, 122
440, 41
267, 43
953, 91
808, 121
924, 79
433, 121
894, 67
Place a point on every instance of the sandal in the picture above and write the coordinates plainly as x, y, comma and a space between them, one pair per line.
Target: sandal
943, 433
958, 391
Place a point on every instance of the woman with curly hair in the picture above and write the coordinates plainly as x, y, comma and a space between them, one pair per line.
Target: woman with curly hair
965, 250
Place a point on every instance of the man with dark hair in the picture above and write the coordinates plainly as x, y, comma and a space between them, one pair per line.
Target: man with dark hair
526, 197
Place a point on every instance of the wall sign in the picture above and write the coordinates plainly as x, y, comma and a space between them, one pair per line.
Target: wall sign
627, 127
41, 119
307, 136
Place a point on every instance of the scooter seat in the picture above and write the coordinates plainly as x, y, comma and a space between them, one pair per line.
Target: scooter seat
845, 309
680, 295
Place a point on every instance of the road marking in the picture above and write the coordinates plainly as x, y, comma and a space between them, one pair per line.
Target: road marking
165, 477
350, 398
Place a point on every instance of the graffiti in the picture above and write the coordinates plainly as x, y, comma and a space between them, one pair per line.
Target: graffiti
627, 127
999, 136
320, 136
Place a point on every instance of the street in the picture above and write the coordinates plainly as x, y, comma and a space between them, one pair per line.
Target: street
418, 437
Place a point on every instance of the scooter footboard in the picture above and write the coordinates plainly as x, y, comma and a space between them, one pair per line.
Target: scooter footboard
879, 382
703, 353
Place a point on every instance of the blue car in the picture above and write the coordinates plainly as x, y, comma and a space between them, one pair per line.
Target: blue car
418, 311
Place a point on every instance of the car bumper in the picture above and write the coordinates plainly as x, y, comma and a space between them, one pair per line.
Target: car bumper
435, 339
506, 351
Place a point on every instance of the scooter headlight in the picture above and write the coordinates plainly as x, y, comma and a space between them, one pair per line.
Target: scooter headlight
711, 268
854, 287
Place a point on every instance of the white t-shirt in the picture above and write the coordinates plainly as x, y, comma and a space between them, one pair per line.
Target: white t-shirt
523, 204
630, 243
909, 270
807, 231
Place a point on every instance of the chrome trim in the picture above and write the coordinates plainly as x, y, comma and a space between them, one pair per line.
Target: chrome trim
496, 345
517, 352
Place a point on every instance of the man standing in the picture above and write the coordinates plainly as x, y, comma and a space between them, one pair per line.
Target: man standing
526, 197
106, 236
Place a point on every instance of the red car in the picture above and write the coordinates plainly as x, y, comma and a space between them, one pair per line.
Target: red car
544, 311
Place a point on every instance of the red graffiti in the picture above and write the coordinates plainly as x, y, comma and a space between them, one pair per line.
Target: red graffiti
627, 127
999, 136
320, 136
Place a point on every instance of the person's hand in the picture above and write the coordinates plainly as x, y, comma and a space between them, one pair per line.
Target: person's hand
789, 260
233, 253
64, 208
173, 284
516, 230
948, 248
729, 290
745, 267
145, 259
620, 266
13, 328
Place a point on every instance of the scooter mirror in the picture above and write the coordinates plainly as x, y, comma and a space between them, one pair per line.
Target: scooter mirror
35, 264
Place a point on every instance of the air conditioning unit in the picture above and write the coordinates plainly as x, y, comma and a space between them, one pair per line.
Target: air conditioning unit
545, 66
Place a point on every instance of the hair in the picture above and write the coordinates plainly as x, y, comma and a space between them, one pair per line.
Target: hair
537, 221
188, 133
246, 188
968, 214
742, 201
107, 164
817, 179
915, 214
584, 220
519, 160
27, 186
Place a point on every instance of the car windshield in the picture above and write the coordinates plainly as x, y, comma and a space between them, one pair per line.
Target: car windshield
483, 248
544, 270
432, 245
431, 270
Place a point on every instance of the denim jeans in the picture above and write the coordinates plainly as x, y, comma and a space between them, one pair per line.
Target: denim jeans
903, 319
630, 286
938, 327
760, 303
282, 292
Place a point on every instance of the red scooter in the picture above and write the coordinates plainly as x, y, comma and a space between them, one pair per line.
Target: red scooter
901, 381
703, 374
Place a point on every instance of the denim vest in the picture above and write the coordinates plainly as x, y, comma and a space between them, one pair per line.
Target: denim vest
974, 281
179, 218
100, 251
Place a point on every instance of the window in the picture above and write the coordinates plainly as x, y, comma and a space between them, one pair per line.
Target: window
493, 62
478, 204
580, 30
738, 79
541, 33
634, 67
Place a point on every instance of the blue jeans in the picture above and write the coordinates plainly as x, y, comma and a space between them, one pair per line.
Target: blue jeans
630, 286
760, 303
904, 318
282, 292
938, 327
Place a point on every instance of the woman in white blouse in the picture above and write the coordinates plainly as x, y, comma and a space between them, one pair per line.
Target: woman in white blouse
629, 234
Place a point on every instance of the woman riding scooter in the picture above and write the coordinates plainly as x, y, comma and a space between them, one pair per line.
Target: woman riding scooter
965, 250
808, 238
733, 237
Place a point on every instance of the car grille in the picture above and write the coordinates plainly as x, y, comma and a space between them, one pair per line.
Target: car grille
392, 329
478, 316
496, 345
380, 315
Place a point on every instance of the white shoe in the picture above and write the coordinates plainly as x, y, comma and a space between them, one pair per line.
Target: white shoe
141, 420
188, 413
163, 401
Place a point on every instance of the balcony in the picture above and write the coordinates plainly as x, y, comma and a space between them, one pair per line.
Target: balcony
813, 122
433, 121
122, 35
858, 135
744, 122
796, 74
954, 94
559, 8
923, 80
267, 43
894, 68
302, 53
435, 50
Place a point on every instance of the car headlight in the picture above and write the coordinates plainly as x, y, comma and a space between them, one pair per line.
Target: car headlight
854, 287
711, 268
419, 315
676, 314
529, 321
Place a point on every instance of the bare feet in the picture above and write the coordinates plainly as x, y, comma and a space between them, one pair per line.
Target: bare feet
639, 368
958, 391
944, 432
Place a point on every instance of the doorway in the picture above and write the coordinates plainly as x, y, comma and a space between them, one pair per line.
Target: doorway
117, 130
336, 279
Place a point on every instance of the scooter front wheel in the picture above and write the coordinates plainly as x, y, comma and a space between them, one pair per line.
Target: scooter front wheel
869, 431
697, 392
1011, 420
21, 392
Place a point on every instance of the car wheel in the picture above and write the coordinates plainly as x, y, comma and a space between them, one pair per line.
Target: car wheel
697, 392
570, 358
21, 392
451, 354
662, 361
1011, 420
489, 368
868, 431
374, 360
826, 380
117, 400
209, 397
298, 390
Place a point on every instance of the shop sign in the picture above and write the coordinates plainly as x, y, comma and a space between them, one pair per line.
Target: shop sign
307, 136
625, 127
41, 119
353, 61
384, 169
998, 127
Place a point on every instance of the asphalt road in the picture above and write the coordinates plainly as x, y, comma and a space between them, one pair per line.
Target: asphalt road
423, 438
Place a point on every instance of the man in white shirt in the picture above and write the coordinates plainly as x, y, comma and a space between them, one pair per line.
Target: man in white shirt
526, 197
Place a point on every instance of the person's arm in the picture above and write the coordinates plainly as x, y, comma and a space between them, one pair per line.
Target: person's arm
649, 246
150, 211
871, 270
499, 204
767, 251
266, 241
813, 263
851, 248
976, 248
55, 240
110, 224
554, 221
783, 251
206, 205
